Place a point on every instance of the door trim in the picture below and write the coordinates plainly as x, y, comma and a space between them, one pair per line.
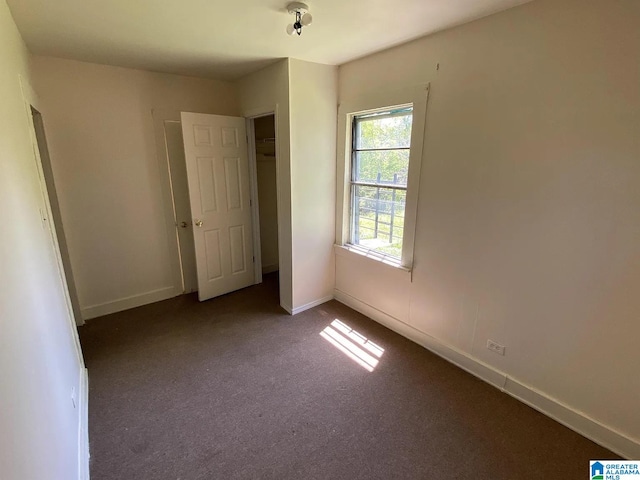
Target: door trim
255, 203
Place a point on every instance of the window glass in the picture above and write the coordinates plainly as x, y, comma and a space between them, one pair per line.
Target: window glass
387, 166
384, 130
379, 176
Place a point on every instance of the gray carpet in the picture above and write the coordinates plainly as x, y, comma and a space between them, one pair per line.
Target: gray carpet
234, 388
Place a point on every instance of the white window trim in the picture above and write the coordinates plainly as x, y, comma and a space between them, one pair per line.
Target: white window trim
416, 96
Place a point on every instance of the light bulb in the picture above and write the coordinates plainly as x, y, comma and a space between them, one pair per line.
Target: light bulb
306, 19
290, 29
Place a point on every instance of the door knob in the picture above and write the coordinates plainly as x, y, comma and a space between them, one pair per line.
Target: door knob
184, 224
197, 223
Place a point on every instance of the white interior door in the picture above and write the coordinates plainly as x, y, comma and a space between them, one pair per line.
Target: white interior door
219, 192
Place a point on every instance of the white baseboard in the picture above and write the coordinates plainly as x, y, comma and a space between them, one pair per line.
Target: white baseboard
564, 414
270, 268
126, 303
309, 305
577, 421
83, 425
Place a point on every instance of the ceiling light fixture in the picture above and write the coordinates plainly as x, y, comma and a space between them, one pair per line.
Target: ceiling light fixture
303, 17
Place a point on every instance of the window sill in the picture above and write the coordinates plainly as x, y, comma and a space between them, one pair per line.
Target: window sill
359, 252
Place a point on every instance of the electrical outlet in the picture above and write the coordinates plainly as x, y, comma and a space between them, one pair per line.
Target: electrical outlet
495, 347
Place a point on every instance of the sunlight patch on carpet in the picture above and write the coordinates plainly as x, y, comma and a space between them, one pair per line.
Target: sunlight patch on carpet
353, 344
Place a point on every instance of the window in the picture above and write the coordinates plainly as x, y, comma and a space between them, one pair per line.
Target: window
381, 143
380, 148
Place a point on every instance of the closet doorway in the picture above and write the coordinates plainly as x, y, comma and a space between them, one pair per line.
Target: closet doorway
264, 140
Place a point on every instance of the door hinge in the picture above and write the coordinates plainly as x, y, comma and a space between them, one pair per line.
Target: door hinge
250, 203
254, 259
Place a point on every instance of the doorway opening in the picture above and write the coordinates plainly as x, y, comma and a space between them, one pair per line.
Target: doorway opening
261, 131
181, 223
57, 227
182, 209
267, 191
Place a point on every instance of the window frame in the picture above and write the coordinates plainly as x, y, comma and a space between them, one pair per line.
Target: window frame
416, 98
353, 183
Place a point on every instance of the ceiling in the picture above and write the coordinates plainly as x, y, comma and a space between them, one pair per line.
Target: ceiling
229, 38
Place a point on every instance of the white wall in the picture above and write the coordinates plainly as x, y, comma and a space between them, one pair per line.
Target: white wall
263, 92
314, 103
528, 227
101, 139
40, 360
